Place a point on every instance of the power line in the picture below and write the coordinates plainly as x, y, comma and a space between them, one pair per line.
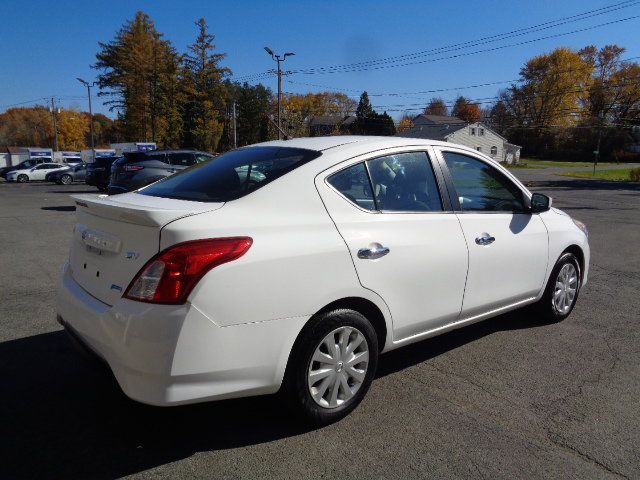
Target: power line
436, 90
24, 103
466, 54
464, 45
482, 41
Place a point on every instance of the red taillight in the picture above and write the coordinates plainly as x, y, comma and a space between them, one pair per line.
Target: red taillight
170, 276
132, 168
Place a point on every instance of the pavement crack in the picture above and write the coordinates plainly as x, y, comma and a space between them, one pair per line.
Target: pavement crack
559, 441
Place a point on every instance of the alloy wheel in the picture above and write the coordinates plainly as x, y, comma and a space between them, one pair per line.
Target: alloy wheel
338, 367
565, 289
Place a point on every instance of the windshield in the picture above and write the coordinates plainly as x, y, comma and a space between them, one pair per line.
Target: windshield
232, 175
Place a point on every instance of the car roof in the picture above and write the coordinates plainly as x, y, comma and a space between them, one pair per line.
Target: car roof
177, 150
320, 144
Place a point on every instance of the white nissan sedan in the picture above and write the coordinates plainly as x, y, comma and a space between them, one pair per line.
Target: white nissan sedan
291, 266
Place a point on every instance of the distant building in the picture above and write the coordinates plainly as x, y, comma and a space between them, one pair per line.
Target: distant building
324, 125
475, 135
121, 148
87, 155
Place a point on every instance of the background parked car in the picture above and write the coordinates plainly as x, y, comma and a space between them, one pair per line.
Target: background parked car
137, 169
36, 173
73, 173
23, 165
98, 172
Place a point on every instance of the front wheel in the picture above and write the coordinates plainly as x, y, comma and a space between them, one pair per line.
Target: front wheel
331, 366
562, 290
22, 178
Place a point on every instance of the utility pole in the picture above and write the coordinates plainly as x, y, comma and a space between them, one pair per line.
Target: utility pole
597, 152
235, 132
52, 109
89, 85
279, 60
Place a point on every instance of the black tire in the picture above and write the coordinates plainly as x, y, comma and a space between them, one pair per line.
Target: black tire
66, 179
546, 308
22, 178
296, 384
103, 188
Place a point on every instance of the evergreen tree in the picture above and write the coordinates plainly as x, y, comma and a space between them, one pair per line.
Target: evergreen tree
364, 116
204, 91
364, 108
368, 122
138, 68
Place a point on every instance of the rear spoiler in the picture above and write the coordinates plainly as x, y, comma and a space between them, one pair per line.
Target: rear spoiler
140, 209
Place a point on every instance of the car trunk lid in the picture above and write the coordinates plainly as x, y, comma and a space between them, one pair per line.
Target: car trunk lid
115, 236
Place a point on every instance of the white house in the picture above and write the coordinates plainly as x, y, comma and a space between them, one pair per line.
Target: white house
475, 135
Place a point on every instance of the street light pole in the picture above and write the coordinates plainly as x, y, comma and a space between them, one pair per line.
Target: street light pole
279, 60
55, 126
89, 85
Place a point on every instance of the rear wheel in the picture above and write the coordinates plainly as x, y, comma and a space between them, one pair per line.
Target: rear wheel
332, 366
562, 290
22, 178
66, 179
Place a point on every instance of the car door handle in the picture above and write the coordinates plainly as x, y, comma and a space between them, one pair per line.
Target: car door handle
375, 250
485, 239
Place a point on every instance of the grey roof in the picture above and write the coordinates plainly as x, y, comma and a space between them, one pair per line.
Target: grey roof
432, 132
434, 127
437, 119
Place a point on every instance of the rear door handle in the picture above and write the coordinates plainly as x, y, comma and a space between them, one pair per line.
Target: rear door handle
375, 250
485, 239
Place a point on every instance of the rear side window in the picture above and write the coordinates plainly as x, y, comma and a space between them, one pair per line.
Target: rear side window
182, 159
232, 175
405, 182
161, 157
353, 183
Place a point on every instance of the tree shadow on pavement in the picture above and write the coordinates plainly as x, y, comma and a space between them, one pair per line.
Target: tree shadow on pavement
64, 418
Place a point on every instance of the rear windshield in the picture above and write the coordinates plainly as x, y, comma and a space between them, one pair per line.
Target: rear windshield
232, 175
103, 161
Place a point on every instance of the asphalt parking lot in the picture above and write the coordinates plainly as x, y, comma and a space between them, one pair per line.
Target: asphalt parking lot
506, 398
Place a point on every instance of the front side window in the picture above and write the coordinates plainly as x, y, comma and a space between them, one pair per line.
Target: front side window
480, 187
232, 175
353, 183
404, 182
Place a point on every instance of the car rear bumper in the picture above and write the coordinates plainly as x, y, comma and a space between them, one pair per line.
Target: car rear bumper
174, 354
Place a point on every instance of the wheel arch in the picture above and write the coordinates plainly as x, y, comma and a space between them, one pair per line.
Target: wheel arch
579, 253
365, 307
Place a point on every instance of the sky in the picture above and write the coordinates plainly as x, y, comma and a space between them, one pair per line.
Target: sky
45, 45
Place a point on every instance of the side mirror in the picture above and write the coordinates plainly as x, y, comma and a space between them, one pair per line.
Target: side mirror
540, 203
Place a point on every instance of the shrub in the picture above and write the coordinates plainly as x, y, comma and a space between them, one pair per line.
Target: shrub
634, 174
